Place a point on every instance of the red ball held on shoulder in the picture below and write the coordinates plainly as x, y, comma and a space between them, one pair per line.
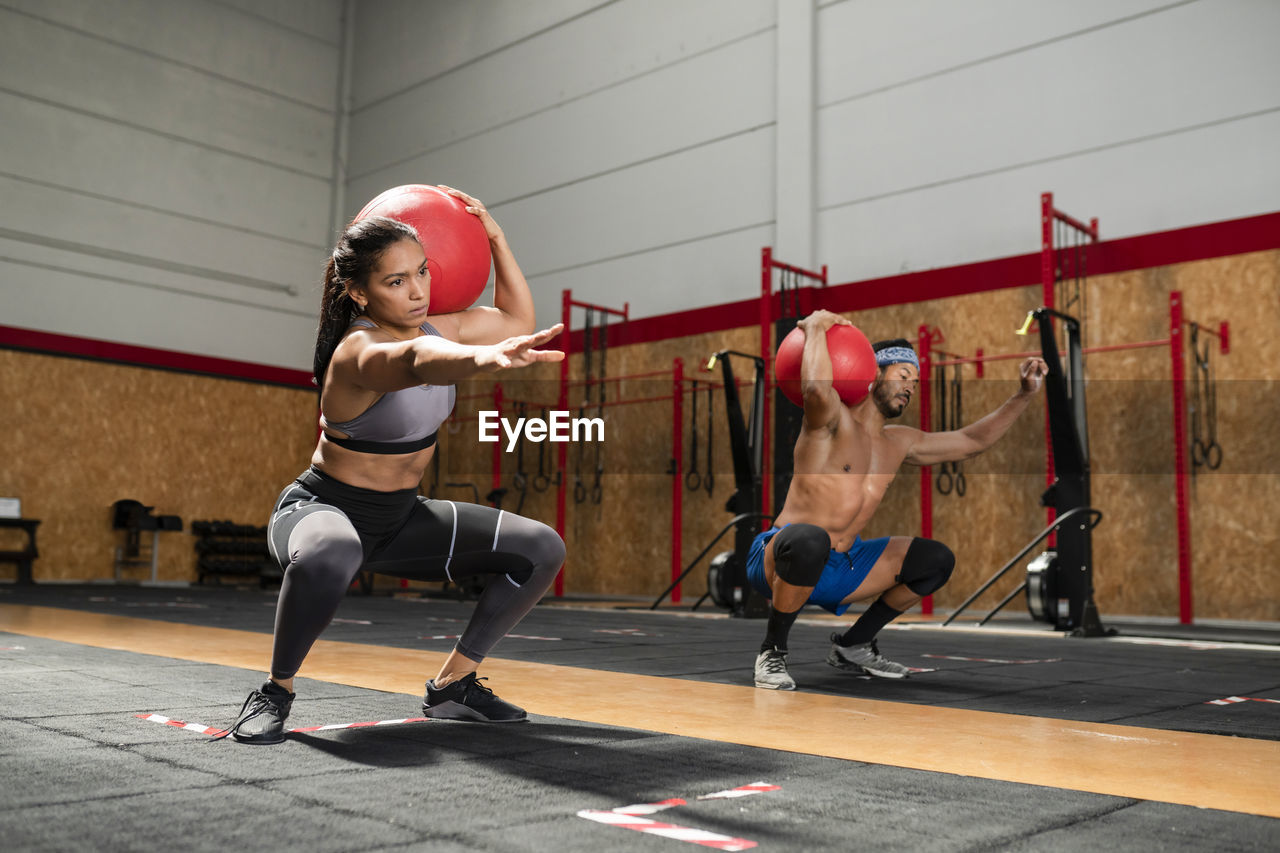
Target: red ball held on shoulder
853, 364
454, 241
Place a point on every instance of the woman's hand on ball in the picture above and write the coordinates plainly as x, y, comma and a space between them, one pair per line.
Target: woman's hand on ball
477, 209
822, 319
519, 351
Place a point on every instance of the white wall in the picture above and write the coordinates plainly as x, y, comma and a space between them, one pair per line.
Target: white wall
171, 171
625, 147
632, 152
941, 123
167, 171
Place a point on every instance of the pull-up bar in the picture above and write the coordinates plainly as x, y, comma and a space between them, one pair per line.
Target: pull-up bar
567, 304
769, 312
1177, 323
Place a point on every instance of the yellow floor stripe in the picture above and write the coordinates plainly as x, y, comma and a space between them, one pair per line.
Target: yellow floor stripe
1234, 774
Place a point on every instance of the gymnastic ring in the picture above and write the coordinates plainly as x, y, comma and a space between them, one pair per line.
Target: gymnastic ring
945, 481
520, 481
692, 480
579, 491
597, 493
1213, 455
960, 484
541, 482
1199, 452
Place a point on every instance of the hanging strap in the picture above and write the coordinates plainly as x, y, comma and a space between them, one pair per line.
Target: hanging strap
692, 479
945, 481
708, 482
957, 422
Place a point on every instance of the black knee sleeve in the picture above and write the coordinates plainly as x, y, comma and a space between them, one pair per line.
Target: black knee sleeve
927, 566
800, 553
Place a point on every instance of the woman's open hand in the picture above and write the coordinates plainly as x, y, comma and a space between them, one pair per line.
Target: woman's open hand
520, 351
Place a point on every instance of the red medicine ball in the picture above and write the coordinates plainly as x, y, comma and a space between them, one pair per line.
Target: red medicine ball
455, 241
853, 364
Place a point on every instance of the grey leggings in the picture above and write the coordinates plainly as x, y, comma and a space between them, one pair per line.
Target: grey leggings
323, 532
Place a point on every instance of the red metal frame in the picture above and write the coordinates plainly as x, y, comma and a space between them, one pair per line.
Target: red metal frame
924, 347
1175, 343
567, 304
768, 313
562, 452
766, 352
1157, 249
677, 484
495, 482
1181, 478
978, 359
1048, 214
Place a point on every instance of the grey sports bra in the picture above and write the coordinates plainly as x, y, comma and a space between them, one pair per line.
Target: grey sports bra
403, 421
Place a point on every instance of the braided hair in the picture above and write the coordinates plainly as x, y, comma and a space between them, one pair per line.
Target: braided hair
353, 259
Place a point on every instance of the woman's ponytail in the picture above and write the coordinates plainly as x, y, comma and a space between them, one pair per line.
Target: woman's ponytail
357, 252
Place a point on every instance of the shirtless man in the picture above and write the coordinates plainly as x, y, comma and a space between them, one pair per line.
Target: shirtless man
845, 459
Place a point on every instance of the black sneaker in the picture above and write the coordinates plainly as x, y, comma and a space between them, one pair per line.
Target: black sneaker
468, 699
262, 717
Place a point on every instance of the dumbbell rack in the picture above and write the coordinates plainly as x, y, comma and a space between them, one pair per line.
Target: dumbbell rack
234, 550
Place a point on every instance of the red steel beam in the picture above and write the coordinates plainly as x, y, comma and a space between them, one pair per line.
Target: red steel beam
1180, 476
677, 484
924, 340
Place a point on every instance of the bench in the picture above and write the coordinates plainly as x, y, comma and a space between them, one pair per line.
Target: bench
25, 556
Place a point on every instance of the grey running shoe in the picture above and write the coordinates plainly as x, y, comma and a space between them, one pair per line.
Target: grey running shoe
864, 658
262, 716
771, 670
468, 699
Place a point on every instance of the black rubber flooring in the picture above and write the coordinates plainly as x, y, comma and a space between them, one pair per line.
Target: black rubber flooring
81, 771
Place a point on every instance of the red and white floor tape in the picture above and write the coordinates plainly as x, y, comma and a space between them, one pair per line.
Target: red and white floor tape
213, 732
509, 636
1233, 700
632, 817
991, 660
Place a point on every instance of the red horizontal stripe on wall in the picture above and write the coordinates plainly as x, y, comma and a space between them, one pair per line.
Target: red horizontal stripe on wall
32, 340
1199, 242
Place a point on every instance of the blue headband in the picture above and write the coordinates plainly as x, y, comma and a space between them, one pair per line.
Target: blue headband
897, 355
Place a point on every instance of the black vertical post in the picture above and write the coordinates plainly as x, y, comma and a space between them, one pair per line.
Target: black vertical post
1068, 427
746, 441
787, 420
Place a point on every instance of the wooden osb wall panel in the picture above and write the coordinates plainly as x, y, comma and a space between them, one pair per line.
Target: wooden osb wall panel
1130, 410
999, 510
86, 434
1234, 536
81, 435
703, 513
623, 547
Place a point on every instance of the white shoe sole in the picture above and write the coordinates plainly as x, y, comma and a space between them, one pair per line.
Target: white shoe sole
840, 663
766, 686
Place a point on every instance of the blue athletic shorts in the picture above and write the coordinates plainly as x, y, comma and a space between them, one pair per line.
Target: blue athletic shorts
844, 572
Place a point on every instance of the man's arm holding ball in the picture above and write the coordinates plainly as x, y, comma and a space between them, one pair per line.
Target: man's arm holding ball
821, 401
